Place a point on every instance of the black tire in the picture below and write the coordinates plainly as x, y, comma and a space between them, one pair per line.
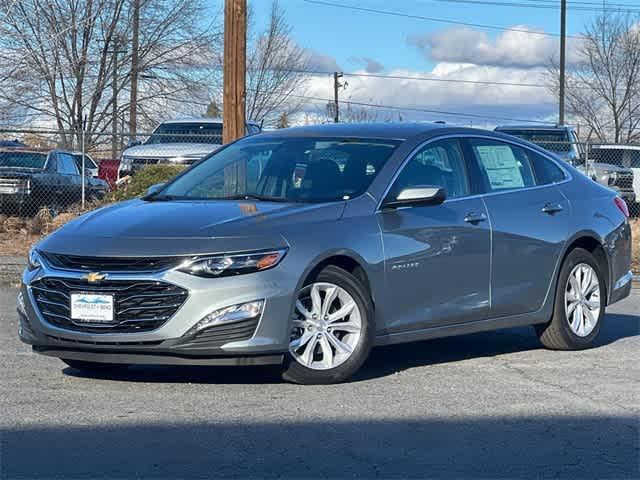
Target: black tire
94, 367
298, 373
557, 334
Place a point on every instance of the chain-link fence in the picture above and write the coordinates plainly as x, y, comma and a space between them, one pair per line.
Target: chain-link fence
59, 171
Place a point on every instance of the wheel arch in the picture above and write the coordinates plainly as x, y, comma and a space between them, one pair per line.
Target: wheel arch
594, 244
348, 260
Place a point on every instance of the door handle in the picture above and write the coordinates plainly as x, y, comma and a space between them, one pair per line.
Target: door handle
551, 208
473, 217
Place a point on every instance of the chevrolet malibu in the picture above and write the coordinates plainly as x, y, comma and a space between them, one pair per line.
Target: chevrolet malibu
307, 247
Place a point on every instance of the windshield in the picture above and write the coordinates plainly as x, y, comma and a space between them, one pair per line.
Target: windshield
23, 159
292, 169
187, 133
554, 141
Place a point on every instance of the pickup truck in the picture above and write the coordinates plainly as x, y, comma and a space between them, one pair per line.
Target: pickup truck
563, 141
177, 142
31, 180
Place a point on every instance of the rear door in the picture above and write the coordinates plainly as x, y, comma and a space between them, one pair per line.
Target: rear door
529, 220
437, 257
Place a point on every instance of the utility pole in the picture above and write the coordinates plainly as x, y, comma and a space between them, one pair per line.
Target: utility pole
336, 87
114, 83
563, 42
135, 45
235, 67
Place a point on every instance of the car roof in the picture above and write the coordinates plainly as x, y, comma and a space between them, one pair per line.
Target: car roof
23, 150
534, 127
397, 131
215, 121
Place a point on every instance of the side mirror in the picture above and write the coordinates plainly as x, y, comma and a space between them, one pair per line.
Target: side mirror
134, 142
154, 188
418, 195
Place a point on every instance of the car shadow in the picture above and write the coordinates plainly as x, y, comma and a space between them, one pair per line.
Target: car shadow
473, 446
382, 362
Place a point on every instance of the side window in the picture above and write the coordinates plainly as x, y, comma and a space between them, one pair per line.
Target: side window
66, 164
505, 166
439, 164
546, 171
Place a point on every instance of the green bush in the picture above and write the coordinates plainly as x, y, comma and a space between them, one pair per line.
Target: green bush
142, 180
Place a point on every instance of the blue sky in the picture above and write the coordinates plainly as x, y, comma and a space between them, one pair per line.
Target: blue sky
357, 41
345, 34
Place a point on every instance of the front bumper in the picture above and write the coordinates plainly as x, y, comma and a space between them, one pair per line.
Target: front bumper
173, 343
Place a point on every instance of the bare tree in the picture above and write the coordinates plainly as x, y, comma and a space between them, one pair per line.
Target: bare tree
275, 69
57, 60
603, 86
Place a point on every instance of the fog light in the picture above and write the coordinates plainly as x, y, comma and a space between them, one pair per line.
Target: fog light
20, 304
234, 313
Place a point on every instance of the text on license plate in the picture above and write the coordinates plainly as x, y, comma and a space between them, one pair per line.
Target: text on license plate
89, 307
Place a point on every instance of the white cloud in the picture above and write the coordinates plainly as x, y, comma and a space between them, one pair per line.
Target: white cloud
323, 63
444, 94
519, 49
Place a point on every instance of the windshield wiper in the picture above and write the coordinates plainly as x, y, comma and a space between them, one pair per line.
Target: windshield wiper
252, 196
160, 198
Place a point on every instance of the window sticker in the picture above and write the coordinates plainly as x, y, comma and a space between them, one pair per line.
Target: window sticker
501, 165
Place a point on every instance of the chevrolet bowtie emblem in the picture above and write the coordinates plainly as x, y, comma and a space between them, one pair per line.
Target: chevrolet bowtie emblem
94, 277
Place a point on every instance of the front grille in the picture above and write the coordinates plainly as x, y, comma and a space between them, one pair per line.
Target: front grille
110, 264
140, 305
218, 336
624, 181
12, 185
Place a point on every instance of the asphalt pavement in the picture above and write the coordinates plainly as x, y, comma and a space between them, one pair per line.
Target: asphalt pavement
490, 405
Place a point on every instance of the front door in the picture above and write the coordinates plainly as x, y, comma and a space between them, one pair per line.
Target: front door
437, 258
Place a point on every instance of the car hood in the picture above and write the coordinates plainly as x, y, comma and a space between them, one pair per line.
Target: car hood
170, 150
18, 171
141, 228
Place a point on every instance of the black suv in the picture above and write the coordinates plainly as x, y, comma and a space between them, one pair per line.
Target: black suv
31, 180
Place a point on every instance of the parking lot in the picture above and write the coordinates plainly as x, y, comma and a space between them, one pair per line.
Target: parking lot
483, 405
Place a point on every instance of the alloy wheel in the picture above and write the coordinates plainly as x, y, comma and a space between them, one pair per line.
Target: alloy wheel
582, 299
327, 326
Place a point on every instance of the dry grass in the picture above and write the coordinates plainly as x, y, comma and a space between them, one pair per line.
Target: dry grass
635, 260
17, 235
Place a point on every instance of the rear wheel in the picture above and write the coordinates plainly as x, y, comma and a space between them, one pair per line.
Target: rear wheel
84, 366
333, 329
579, 306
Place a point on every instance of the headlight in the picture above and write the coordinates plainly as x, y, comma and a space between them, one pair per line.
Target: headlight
33, 259
234, 313
237, 264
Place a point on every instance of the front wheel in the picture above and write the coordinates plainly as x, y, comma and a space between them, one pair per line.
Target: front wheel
579, 306
333, 329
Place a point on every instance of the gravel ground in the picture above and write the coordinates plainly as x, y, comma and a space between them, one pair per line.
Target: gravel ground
479, 406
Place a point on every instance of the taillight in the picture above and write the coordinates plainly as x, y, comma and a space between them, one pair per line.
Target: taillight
622, 206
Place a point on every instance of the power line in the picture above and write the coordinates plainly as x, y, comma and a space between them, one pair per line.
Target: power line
421, 110
577, 6
431, 19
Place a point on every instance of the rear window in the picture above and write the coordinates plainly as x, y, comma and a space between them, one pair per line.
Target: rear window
554, 141
22, 159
